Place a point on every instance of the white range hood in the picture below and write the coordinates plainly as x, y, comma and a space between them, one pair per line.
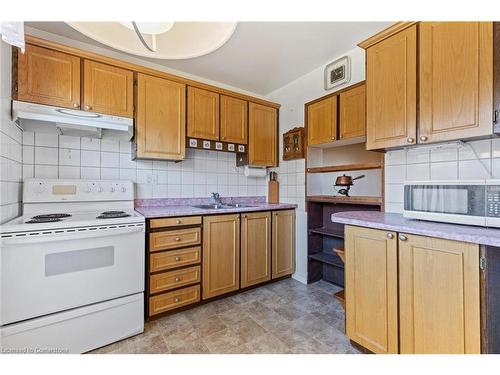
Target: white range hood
71, 121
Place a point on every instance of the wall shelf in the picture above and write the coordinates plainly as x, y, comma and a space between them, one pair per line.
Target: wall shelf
361, 200
331, 259
328, 232
346, 167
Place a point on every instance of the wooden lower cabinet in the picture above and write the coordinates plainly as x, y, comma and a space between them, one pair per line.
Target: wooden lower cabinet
438, 296
173, 300
255, 248
283, 243
371, 292
221, 255
439, 293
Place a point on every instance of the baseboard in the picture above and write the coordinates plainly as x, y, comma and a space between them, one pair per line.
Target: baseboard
301, 278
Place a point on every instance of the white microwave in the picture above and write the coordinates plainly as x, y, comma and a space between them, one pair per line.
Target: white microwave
472, 202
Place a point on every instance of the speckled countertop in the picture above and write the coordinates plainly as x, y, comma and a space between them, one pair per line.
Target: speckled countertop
169, 207
398, 223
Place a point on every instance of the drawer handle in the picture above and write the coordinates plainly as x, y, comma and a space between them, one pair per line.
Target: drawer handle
177, 299
177, 279
177, 259
179, 222
177, 238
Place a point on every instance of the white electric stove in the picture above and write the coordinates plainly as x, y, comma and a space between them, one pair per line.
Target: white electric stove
72, 267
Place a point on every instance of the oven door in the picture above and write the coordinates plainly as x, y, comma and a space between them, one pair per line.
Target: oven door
45, 274
461, 203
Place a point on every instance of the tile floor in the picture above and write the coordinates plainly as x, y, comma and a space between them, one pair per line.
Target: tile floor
283, 317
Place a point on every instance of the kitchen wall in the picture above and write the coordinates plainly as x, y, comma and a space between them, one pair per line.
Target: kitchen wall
48, 155
291, 174
440, 162
10, 145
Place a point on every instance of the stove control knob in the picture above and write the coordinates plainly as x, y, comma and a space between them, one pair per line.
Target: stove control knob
100, 189
123, 189
112, 189
89, 189
39, 189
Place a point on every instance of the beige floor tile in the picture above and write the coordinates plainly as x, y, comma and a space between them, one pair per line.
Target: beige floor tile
282, 317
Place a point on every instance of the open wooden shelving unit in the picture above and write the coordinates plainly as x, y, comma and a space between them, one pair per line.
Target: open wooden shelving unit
345, 167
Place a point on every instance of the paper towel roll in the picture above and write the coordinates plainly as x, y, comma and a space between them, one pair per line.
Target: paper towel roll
255, 172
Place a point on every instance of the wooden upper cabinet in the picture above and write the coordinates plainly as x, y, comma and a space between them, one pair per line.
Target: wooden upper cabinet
202, 114
322, 121
455, 80
371, 288
233, 119
221, 254
438, 296
262, 135
391, 91
352, 105
108, 89
48, 77
255, 248
283, 243
160, 122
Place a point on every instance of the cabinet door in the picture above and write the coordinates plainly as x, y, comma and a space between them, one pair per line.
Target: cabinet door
262, 135
221, 255
371, 289
438, 296
283, 243
353, 112
255, 248
456, 85
203, 114
161, 113
391, 91
322, 121
233, 120
48, 77
108, 89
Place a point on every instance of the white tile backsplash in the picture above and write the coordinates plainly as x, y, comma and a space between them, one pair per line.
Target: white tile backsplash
439, 162
93, 144
46, 140
90, 158
197, 176
46, 155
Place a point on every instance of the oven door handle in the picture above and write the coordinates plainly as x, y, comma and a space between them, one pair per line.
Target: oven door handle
71, 234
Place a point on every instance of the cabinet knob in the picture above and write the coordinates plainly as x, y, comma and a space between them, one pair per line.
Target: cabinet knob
76, 105
402, 237
177, 279
88, 107
176, 299
177, 259
179, 222
423, 138
177, 238
410, 140
390, 236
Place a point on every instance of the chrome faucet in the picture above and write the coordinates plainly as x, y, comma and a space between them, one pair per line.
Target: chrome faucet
215, 199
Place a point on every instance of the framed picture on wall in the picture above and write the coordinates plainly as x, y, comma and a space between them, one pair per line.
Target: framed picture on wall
338, 72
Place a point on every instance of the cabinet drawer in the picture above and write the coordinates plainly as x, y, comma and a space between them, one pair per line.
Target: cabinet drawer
174, 279
172, 259
175, 221
172, 300
174, 238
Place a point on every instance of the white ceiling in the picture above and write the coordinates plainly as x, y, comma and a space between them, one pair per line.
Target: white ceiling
260, 56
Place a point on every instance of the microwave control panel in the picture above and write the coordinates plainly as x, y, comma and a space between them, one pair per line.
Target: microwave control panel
493, 201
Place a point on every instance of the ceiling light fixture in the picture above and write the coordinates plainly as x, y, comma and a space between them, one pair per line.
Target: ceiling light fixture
159, 40
151, 28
